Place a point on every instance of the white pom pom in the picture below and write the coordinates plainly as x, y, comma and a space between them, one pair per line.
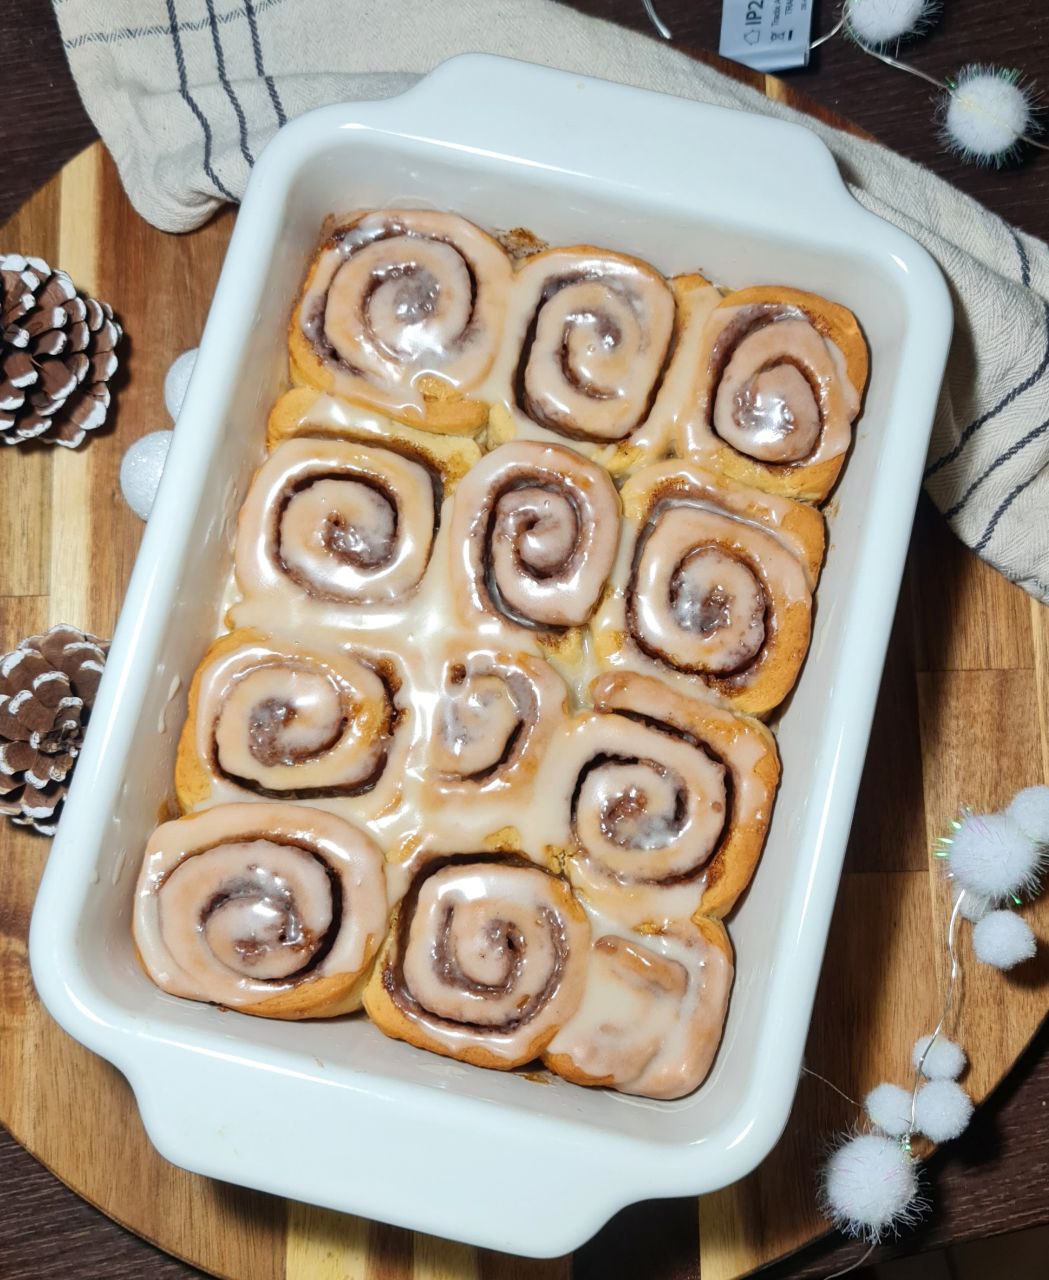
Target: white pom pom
889, 1107
177, 380
991, 856
942, 1110
1030, 811
870, 1186
880, 22
974, 905
1003, 939
141, 469
944, 1060
986, 113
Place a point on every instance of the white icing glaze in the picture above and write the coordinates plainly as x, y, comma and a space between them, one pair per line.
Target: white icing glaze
533, 536
586, 337
636, 799
402, 295
494, 956
332, 527
770, 386
704, 570
652, 1013
237, 903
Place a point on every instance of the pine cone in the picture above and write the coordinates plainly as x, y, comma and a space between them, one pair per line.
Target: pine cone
47, 688
56, 355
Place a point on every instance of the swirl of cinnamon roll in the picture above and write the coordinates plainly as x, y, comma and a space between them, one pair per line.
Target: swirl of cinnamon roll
336, 524
597, 332
492, 721
281, 720
485, 960
271, 909
403, 310
781, 377
534, 533
714, 581
657, 803
652, 1014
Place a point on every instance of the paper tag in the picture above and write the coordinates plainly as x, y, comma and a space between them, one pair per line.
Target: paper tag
768, 35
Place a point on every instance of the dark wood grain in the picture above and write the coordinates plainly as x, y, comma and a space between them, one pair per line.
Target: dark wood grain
991, 1181
48, 1233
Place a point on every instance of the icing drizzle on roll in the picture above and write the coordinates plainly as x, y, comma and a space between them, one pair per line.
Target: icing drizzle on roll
242, 904
486, 959
290, 723
597, 337
403, 295
339, 523
534, 534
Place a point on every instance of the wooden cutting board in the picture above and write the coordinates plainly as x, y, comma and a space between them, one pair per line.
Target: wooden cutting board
962, 716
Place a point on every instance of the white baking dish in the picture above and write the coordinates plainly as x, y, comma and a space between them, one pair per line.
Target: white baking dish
334, 1113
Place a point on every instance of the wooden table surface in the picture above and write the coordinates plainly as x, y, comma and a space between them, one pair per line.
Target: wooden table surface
994, 1178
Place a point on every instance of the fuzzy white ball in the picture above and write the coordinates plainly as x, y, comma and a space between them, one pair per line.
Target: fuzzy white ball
880, 22
1029, 809
889, 1108
944, 1060
991, 856
141, 469
177, 380
986, 114
942, 1110
1003, 939
870, 1186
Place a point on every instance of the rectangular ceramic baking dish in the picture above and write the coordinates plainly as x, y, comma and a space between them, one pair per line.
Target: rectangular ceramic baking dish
335, 1113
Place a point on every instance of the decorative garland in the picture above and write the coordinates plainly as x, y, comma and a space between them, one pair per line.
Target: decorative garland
871, 1184
986, 114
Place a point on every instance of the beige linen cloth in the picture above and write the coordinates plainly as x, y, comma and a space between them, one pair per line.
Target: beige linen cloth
185, 94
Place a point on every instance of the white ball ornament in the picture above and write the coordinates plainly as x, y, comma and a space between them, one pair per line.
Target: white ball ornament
944, 1060
141, 469
889, 1108
870, 1187
1004, 940
177, 380
942, 1110
1029, 809
879, 22
987, 114
992, 857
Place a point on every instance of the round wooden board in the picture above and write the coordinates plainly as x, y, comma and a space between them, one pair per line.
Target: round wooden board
962, 717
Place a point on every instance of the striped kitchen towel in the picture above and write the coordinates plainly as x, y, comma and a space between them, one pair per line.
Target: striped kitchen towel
186, 92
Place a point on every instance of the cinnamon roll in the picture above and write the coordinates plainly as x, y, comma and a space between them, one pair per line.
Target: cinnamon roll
493, 719
713, 581
485, 960
533, 535
588, 336
270, 909
334, 531
304, 411
403, 311
780, 376
652, 1013
281, 720
656, 804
